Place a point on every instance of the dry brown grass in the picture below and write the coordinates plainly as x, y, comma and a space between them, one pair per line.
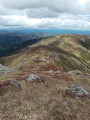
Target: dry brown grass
44, 98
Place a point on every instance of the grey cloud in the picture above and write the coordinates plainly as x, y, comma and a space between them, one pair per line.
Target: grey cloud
41, 13
2, 10
22, 4
55, 5
42, 8
66, 21
63, 21
45, 14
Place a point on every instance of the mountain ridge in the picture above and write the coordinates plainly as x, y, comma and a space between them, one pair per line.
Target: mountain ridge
67, 47
49, 80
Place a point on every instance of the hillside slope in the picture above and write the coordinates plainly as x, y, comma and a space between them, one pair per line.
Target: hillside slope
11, 42
44, 71
73, 50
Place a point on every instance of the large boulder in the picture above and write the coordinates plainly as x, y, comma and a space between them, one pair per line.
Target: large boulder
76, 91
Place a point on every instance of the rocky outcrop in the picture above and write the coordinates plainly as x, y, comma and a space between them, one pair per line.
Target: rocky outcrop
15, 84
76, 91
51, 71
32, 77
74, 72
22, 63
9, 85
47, 61
24, 60
4, 70
55, 55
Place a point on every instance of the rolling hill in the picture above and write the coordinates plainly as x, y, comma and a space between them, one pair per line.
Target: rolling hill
73, 50
43, 72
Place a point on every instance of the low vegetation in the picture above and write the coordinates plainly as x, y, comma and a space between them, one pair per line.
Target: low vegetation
56, 67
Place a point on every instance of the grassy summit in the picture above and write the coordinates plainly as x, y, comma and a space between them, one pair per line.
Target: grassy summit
54, 60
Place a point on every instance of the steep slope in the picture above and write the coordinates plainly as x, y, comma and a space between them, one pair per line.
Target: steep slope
11, 42
68, 51
17, 47
44, 73
73, 50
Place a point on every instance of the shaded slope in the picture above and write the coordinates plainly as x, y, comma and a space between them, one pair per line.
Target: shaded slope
17, 47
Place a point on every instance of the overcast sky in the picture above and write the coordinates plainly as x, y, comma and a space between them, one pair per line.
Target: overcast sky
62, 14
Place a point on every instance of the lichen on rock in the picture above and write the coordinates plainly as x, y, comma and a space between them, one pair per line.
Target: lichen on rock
76, 91
4, 70
32, 77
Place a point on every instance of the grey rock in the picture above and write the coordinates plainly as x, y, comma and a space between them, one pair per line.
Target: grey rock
51, 71
55, 54
24, 60
47, 61
76, 91
74, 72
4, 70
15, 84
22, 63
32, 77
43, 59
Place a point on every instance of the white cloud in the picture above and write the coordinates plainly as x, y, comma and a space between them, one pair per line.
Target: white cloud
72, 6
71, 14
66, 21
41, 13
87, 6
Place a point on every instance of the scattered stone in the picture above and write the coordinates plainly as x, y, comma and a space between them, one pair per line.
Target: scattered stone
83, 40
57, 71
52, 61
55, 54
15, 84
32, 77
74, 72
22, 63
43, 59
76, 91
24, 60
17, 68
47, 61
51, 71
4, 70
64, 102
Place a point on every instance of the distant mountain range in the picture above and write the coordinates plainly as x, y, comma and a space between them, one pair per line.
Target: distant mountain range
51, 31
